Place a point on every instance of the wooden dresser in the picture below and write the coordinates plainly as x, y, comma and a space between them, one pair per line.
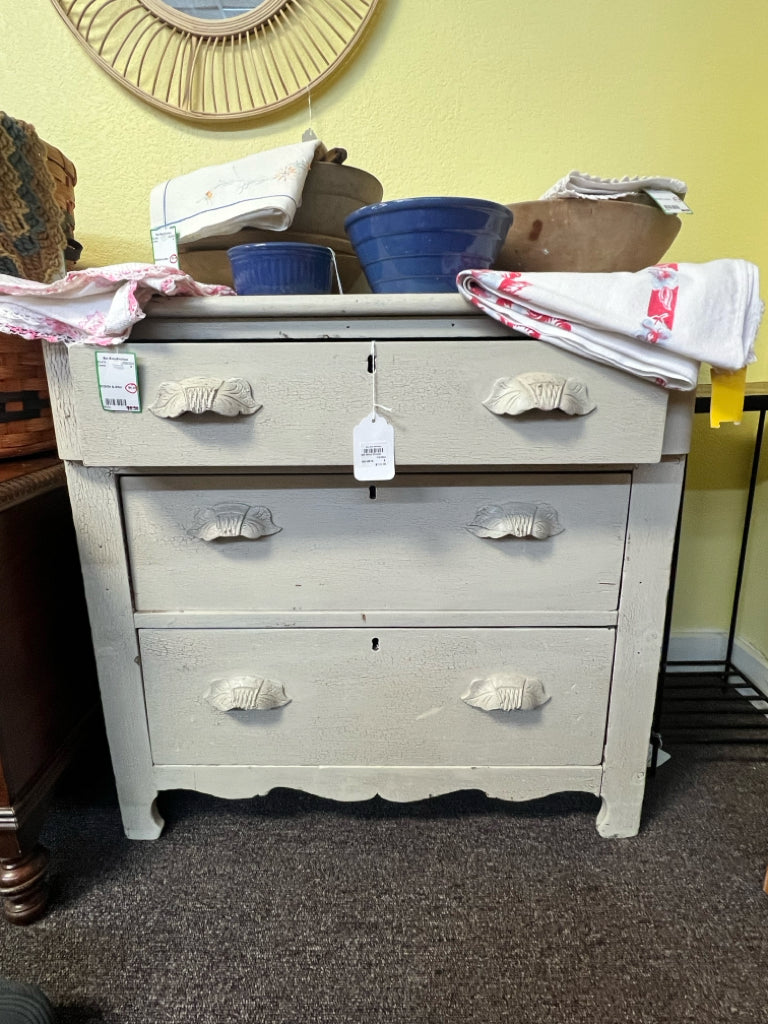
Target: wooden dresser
47, 679
489, 619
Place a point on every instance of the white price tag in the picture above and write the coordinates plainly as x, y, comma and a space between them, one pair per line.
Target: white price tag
373, 441
669, 202
118, 381
165, 246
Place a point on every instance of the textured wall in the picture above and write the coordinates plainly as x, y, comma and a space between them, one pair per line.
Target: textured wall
488, 97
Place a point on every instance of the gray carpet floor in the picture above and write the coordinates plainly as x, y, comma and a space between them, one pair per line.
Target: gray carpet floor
289, 909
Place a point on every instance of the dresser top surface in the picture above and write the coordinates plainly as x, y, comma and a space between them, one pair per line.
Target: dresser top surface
448, 304
334, 317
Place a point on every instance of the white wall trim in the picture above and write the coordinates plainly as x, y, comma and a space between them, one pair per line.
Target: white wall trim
711, 645
753, 664
697, 645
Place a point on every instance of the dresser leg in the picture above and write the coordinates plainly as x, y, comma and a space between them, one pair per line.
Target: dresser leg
24, 886
619, 817
142, 821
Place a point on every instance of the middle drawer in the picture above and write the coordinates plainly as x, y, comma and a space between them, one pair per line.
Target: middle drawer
433, 542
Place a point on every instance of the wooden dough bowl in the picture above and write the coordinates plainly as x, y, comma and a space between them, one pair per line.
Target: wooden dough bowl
586, 236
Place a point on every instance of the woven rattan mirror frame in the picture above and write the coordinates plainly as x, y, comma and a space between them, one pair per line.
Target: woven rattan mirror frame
218, 70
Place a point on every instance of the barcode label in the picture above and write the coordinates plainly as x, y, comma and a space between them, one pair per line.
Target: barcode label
668, 201
373, 441
165, 246
118, 381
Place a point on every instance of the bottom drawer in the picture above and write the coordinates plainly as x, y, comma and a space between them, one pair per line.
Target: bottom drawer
393, 697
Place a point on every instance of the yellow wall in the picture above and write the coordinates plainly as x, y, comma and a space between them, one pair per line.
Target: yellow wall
495, 98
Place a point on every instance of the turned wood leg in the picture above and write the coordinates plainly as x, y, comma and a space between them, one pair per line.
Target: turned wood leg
24, 886
765, 883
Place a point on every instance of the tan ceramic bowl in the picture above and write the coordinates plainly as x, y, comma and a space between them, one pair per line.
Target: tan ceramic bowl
331, 192
586, 236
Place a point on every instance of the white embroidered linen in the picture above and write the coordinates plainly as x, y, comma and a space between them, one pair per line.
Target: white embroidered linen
587, 186
98, 306
259, 191
659, 323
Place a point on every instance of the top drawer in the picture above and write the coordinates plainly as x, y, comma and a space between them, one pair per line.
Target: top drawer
311, 395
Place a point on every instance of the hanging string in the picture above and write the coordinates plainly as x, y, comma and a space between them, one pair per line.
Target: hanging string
336, 270
374, 396
309, 134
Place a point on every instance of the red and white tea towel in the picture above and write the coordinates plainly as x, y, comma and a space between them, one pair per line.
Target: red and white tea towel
659, 323
98, 306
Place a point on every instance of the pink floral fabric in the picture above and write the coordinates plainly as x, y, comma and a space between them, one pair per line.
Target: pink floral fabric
98, 306
659, 323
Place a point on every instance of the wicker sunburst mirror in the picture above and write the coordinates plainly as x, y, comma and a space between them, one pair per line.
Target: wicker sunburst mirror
217, 60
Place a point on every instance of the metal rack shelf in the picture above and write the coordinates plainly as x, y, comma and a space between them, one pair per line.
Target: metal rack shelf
714, 701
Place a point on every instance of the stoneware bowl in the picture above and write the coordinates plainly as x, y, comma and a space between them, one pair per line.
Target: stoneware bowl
211, 264
281, 268
420, 244
586, 236
331, 192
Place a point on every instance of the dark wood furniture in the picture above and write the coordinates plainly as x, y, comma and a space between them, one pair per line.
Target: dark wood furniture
47, 679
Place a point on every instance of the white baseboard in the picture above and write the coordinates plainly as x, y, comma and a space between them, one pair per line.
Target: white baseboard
753, 664
711, 645
697, 645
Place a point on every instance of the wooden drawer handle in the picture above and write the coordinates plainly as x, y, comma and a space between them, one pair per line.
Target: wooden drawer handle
246, 693
234, 519
516, 519
230, 397
506, 691
512, 396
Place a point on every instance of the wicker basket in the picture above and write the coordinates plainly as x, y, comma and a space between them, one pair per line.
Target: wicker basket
65, 178
26, 420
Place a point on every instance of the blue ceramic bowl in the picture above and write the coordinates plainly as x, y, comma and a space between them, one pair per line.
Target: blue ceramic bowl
420, 245
281, 268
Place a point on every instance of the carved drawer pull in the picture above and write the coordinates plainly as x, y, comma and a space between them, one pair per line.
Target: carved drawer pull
234, 519
512, 396
516, 519
506, 691
230, 397
246, 693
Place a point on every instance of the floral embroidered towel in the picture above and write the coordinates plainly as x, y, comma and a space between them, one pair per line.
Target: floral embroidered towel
587, 186
659, 323
98, 306
260, 191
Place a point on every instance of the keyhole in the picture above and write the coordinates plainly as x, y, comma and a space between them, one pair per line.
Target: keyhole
371, 363
372, 492
375, 644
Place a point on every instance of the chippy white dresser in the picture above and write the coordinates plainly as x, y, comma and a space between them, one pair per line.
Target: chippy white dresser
489, 619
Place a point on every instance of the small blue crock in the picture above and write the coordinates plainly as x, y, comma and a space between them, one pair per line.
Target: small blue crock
281, 268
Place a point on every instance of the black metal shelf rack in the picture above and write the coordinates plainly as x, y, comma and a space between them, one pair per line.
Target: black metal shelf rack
713, 701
